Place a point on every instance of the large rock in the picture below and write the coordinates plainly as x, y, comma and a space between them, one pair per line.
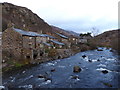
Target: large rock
42, 76
46, 79
107, 84
75, 77
84, 56
52, 70
90, 60
76, 69
98, 60
104, 71
99, 50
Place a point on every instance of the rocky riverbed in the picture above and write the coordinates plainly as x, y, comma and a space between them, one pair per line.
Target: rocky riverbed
94, 69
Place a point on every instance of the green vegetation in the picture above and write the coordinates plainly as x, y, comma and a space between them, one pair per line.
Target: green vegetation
107, 84
47, 50
18, 65
86, 34
15, 64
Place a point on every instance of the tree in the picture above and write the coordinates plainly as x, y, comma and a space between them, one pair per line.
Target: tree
86, 34
95, 31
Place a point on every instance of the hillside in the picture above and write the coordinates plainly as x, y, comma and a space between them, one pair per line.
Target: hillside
109, 39
65, 32
25, 19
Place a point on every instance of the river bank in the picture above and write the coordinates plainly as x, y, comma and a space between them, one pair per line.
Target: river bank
18, 65
59, 73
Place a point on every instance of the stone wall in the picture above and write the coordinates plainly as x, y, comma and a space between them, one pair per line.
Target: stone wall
11, 43
29, 42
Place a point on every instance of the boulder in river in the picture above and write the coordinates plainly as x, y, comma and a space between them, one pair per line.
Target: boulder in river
52, 70
98, 60
90, 60
75, 77
83, 56
107, 84
59, 57
48, 79
41, 76
76, 69
111, 50
104, 71
99, 50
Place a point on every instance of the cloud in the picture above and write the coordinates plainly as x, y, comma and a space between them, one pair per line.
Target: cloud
77, 15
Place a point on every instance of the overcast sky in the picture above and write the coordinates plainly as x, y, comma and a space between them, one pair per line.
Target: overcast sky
76, 15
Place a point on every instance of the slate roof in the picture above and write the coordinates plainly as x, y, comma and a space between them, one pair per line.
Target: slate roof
26, 33
50, 36
63, 36
47, 44
33, 34
59, 43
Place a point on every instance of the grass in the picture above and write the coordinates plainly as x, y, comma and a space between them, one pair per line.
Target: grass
18, 65
14, 64
107, 84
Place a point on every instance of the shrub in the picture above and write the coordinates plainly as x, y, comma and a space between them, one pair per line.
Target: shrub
52, 53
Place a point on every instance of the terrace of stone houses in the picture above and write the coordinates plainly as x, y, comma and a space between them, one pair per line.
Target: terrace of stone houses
33, 39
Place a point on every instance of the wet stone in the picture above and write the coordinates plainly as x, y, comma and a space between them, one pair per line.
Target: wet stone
48, 79
52, 70
41, 76
59, 57
104, 71
75, 77
84, 56
111, 50
90, 60
99, 50
79, 63
98, 60
107, 84
76, 69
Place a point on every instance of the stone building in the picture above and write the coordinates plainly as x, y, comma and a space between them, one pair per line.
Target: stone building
85, 37
22, 44
56, 44
63, 37
45, 45
73, 40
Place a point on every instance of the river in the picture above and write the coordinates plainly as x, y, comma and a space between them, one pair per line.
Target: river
59, 73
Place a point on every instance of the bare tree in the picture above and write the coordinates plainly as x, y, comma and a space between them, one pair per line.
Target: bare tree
95, 31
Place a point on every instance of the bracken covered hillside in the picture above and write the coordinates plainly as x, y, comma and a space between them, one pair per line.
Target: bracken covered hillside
109, 39
25, 19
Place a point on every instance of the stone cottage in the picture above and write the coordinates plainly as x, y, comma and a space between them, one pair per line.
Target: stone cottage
63, 37
74, 40
85, 37
22, 44
56, 44
45, 45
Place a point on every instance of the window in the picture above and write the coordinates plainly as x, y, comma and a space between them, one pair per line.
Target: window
30, 37
73, 38
28, 57
35, 55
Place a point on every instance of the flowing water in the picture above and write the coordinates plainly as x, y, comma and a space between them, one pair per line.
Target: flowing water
59, 73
